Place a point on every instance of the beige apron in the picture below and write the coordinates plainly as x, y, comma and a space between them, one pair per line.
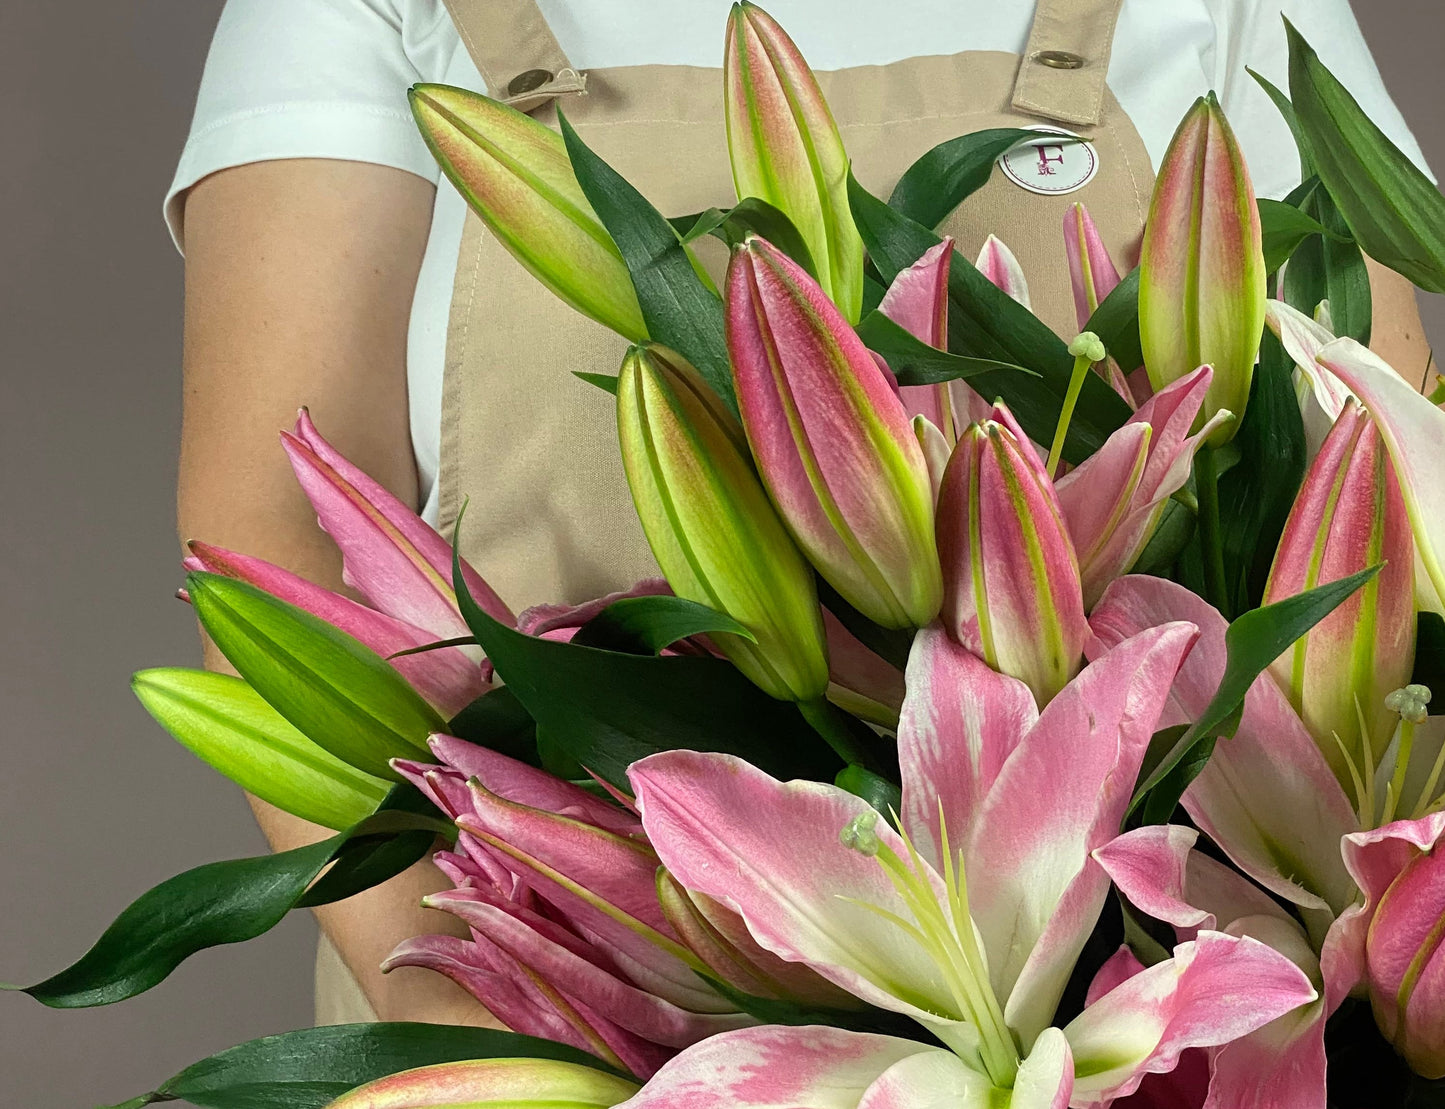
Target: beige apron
534, 448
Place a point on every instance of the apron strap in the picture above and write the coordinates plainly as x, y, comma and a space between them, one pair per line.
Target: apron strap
1062, 74
515, 51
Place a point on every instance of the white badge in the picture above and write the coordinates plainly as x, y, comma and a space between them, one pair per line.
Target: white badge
1051, 168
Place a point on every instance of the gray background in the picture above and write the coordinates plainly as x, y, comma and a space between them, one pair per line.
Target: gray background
96, 803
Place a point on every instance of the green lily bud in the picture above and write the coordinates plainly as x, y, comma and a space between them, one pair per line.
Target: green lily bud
492, 1084
711, 525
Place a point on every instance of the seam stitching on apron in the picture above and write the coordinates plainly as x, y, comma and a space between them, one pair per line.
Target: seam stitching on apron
447, 508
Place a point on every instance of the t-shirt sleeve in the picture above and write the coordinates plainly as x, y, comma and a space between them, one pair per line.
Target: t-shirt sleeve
304, 79
1252, 35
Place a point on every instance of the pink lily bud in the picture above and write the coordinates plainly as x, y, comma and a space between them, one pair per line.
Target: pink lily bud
1091, 270
786, 150
1349, 515
709, 522
519, 1083
1012, 593
1201, 273
1400, 869
1000, 265
516, 175
832, 440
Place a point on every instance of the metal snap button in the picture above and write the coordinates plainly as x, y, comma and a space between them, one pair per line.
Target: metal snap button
528, 81
1059, 59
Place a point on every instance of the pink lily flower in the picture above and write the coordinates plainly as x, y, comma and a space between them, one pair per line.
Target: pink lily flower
575, 934
1321, 395
969, 919
831, 439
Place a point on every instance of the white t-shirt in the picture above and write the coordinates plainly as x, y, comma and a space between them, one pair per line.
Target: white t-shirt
328, 79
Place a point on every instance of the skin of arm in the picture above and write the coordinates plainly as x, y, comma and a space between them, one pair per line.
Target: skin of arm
299, 283
1398, 336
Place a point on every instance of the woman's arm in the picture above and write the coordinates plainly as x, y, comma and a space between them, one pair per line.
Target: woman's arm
1398, 336
299, 283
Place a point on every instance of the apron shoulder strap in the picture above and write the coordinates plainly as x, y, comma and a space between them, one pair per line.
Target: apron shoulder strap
515, 51
1066, 62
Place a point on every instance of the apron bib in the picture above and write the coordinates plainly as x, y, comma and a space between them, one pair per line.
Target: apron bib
535, 449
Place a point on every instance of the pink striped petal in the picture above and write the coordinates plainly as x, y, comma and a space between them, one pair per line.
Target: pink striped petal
770, 852
1413, 430
917, 300
1118, 968
1035, 892
862, 682
1267, 796
549, 620
449, 679
1280, 1066
776, 1067
997, 263
395, 559
1091, 270
1214, 990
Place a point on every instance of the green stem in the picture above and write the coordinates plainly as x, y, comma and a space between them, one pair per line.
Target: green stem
842, 732
1066, 414
1211, 538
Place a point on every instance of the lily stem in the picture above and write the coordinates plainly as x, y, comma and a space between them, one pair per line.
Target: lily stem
1082, 364
843, 733
1211, 538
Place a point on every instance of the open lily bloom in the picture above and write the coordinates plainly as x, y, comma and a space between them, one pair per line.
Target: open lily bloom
971, 918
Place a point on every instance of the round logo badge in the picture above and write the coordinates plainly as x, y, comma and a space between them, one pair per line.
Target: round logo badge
1051, 164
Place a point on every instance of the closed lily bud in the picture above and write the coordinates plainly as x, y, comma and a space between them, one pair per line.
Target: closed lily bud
516, 1083
515, 174
1201, 274
832, 440
711, 526
1349, 515
1012, 592
785, 148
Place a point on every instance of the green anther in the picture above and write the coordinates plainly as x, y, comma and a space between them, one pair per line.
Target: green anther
1088, 345
860, 834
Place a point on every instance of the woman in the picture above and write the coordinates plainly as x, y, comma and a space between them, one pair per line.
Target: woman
326, 268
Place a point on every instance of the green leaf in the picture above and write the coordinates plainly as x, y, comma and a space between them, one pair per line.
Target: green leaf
1257, 493
236, 900
1251, 643
225, 723
680, 310
1175, 530
952, 171
914, 362
499, 721
985, 322
1286, 109
1285, 227
312, 1067
1116, 322
648, 625
606, 710
606, 382
884, 795
338, 692
1390, 206
750, 216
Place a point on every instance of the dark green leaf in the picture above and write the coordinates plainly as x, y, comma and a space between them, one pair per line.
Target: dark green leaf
753, 216
679, 308
499, 721
336, 691
1175, 530
1285, 227
1286, 109
866, 1019
606, 382
1256, 494
1252, 642
884, 795
233, 901
985, 322
647, 625
914, 362
312, 1067
1116, 322
952, 171
1395, 213
607, 710
1430, 658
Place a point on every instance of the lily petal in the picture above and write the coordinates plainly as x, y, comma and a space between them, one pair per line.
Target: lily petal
776, 1067
930, 1080
999, 264
1267, 796
1214, 990
1091, 270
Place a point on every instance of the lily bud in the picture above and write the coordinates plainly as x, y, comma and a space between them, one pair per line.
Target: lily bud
1012, 593
1091, 271
1349, 516
786, 150
518, 1083
515, 174
711, 526
832, 440
1201, 272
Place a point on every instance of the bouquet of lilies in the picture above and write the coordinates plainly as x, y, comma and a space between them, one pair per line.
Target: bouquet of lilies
1018, 720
